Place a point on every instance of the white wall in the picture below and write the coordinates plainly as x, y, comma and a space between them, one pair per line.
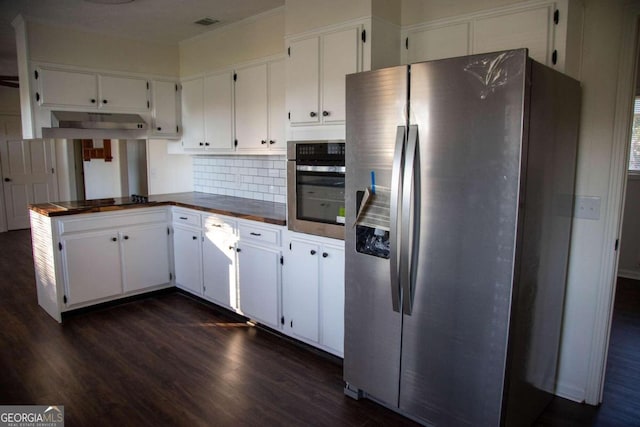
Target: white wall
9, 100
307, 15
168, 173
253, 38
102, 179
419, 11
71, 47
629, 265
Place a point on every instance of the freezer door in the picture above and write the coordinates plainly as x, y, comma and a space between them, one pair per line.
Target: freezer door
469, 115
376, 115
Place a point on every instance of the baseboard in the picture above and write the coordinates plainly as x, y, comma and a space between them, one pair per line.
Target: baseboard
570, 392
629, 274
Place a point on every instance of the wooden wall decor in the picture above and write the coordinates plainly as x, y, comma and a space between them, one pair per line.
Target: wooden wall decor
89, 152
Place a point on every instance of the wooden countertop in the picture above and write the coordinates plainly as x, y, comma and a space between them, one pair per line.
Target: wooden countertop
255, 210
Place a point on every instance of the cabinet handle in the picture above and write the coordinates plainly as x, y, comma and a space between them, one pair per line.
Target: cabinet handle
313, 252
231, 247
325, 113
126, 237
93, 101
217, 225
200, 144
238, 250
263, 142
206, 143
324, 254
195, 238
255, 234
271, 141
159, 128
313, 114
183, 217
114, 239
104, 101
7, 180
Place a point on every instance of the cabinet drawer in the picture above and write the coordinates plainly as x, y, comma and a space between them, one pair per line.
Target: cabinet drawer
259, 234
215, 223
186, 217
84, 222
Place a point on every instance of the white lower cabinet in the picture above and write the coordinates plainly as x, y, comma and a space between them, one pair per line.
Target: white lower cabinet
106, 256
219, 262
259, 272
187, 258
313, 291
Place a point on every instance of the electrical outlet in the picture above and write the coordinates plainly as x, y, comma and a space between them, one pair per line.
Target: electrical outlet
587, 207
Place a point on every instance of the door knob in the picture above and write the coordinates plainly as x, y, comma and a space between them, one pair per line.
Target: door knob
7, 180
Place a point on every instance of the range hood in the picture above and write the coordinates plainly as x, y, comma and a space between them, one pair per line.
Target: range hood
93, 125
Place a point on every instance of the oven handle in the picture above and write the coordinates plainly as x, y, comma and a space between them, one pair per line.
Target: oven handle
309, 168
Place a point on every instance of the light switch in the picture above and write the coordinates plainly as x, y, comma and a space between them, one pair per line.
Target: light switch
587, 207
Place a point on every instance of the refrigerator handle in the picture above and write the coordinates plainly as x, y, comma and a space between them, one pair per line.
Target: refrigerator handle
410, 220
394, 235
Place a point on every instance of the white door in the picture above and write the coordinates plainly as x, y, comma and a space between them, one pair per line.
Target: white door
146, 257
192, 114
251, 108
218, 111
332, 298
340, 57
66, 88
277, 114
219, 263
300, 289
303, 75
28, 173
258, 277
187, 250
124, 93
165, 107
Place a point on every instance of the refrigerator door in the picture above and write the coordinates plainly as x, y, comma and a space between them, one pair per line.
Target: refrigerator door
469, 114
376, 116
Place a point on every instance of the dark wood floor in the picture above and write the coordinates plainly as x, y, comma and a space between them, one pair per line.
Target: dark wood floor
172, 360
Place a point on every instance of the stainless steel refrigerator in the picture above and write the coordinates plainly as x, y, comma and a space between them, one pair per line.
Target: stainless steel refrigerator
459, 202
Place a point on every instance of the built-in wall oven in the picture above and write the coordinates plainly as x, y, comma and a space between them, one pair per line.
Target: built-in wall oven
315, 187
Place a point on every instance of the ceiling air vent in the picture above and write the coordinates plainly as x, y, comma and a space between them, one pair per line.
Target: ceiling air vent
206, 21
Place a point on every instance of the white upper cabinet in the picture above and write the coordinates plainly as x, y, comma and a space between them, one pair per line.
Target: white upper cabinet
207, 113
316, 70
259, 108
89, 90
339, 58
543, 27
61, 87
166, 108
123, 93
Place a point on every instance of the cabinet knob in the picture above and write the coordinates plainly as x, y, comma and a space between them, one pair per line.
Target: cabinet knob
271, 141
263, 142
93, 101
200, 144
195, 238
206, 144
159, 128
231, 247
313, 252
324, 254
126, 237
114, 239
313, 114
325, 113
7, 180
238, 250
104, 101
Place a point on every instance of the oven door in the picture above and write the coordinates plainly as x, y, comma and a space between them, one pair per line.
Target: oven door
315, 199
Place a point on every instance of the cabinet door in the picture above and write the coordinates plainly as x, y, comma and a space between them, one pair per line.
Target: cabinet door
192, 114
340, 57
529, 28
67, 88
251, 108
165, 108
277, 115
303, 81
124, 93
187, 252
258, 279
219, 264
439, 42
332, 298
218, 111
92, 267
145, 252
300, 290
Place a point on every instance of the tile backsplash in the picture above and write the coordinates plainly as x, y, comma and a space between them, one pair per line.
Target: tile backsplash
251, 177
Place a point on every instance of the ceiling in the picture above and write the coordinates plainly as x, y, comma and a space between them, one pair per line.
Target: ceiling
160, 21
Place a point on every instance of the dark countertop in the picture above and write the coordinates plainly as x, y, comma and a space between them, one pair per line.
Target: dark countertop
255, 210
